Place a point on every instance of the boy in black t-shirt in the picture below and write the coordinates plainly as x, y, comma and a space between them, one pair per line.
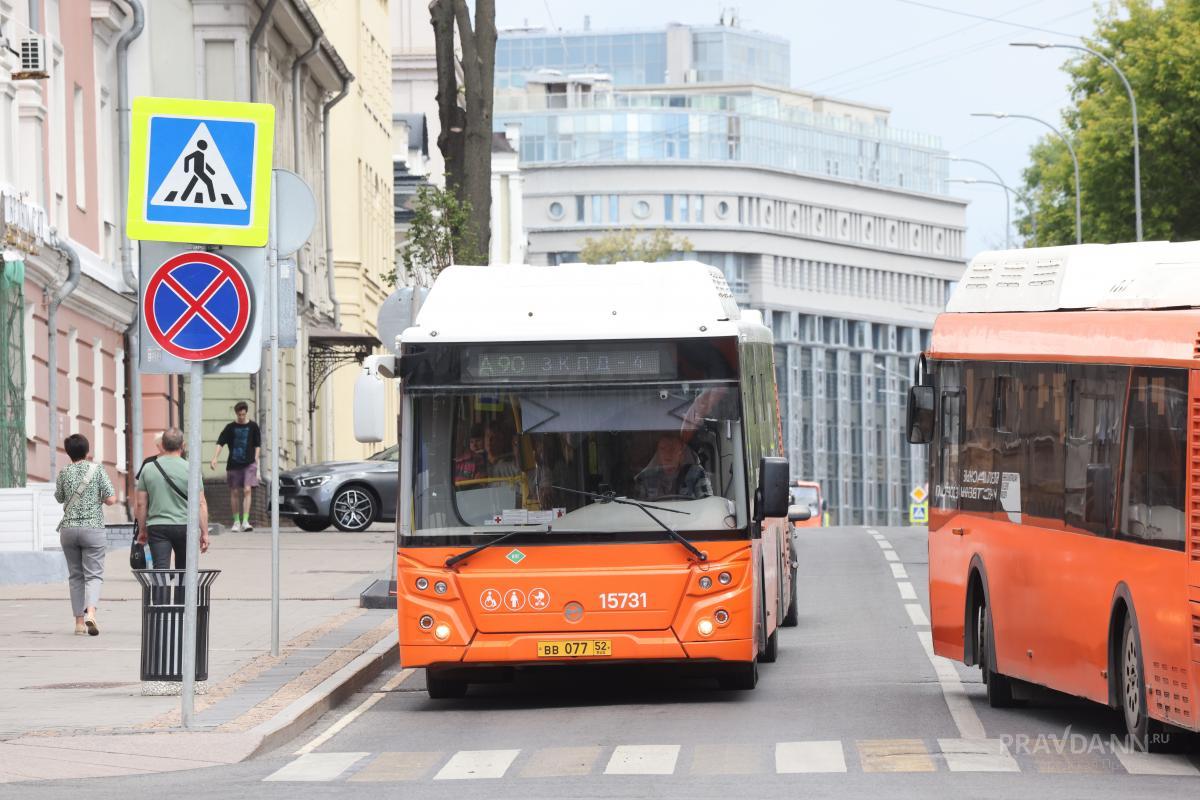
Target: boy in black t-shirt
243, 439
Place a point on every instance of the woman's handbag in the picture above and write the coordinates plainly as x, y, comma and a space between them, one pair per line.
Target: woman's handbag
137, 552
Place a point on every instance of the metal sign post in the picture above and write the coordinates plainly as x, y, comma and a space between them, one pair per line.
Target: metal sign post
273, 288
195, 487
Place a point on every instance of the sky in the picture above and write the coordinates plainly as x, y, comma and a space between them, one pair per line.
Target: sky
932, 62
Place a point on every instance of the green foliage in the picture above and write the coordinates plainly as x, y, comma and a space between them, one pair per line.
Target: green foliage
1157, 45
439, 235
624, 244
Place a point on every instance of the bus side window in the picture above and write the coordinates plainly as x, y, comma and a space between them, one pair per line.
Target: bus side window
1155, 474
951, 441
1093, 433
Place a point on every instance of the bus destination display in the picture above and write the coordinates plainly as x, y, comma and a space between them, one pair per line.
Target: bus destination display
554, 365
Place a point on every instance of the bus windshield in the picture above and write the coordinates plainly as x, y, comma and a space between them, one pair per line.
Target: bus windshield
488, 460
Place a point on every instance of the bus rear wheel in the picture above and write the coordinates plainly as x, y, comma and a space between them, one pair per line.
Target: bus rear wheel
1149, 735
442, 688
741, 677
999, 687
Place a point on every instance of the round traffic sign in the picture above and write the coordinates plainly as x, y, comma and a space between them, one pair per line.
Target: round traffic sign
197, 306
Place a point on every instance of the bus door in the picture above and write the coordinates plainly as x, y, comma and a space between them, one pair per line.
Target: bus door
1193, 484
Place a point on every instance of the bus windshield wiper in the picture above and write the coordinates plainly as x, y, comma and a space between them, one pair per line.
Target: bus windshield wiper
645, 507
452, 560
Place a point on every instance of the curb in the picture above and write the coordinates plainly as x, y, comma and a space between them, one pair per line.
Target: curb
304, 711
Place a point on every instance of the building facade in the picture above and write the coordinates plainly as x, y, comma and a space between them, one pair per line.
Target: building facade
835, 225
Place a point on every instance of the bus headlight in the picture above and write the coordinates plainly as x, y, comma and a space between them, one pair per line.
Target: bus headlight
705, 627
441, 632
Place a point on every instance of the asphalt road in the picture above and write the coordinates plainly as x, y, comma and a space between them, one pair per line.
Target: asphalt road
855, 707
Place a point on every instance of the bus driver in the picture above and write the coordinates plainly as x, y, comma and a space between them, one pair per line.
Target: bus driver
672, 473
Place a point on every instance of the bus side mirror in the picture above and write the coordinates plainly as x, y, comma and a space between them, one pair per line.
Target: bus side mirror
773, 476
920, 415
369, 399
799, 514
1097, 498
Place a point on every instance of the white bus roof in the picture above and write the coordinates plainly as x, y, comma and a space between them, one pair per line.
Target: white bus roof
572, 302
1141, 275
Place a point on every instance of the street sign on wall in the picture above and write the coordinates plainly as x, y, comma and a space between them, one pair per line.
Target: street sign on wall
200, 171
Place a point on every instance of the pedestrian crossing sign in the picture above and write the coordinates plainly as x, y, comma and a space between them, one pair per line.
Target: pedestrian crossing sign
918, 514
200, 171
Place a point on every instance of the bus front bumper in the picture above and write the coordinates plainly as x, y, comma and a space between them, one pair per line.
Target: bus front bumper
626, 646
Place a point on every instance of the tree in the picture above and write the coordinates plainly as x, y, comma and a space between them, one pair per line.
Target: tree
1157, 46
439, 235
624, 245
465, 113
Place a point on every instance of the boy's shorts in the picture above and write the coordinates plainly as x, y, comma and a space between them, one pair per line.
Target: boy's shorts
242, 477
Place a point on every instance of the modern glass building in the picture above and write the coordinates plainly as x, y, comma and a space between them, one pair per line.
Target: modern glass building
837, 226
647, 57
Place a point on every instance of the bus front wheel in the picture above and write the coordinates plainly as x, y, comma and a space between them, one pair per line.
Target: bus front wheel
1148, 735
741, 677
443, 688
999, 687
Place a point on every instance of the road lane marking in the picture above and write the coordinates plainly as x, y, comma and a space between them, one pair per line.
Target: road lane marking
316, 767
398, 767
917, 614
898, 570
884, 544
890, 555
729, 759
560, 762
907, 592
645, 759
339, 725
977, 755
895, 755
795, 757
475, 764
1136, 763
962, 711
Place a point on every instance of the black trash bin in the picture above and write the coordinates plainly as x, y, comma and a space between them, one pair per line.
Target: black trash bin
162, 622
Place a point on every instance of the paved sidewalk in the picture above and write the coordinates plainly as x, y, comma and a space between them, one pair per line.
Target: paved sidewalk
71, 706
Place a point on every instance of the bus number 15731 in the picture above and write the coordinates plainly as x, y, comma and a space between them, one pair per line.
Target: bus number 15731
623, 600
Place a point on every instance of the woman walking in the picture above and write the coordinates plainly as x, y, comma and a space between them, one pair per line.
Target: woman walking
83, 488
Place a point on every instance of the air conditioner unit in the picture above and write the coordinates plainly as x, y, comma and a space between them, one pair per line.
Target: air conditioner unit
32, 55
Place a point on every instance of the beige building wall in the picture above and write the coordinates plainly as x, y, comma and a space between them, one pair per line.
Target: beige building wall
361, 170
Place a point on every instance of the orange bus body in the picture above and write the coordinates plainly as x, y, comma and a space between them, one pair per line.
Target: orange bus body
667, 630
817, 520
1056, 590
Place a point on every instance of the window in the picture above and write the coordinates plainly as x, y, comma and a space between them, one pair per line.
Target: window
1093, 433
579, 208
699, 206
722, 209
1152, 497
641, 209
79, 145
669, 207
98, 383
556, 210
614, 208
683, 208
597, 209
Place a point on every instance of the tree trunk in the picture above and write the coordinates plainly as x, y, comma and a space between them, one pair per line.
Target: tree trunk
452, 118
479, 69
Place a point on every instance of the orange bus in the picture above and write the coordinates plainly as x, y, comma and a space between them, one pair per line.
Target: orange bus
809, 495
1061, 401
590, 472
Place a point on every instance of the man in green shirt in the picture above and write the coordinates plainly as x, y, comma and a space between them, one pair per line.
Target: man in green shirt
162, 505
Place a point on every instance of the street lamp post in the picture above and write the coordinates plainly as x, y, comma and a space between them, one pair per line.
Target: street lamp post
999, 182
1070, 149
1137, 163
1008, 191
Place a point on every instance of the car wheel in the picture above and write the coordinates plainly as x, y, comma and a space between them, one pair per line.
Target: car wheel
311, 524
354, 509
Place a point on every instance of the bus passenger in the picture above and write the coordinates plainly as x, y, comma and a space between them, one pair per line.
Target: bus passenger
673, 473
472, 463
499, 444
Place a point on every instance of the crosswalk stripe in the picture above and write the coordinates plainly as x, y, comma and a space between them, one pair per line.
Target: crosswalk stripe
1068, 763
898, 570
917, 614
891, 555
977, 755
729, 759
645, 759
316, 767
894, 755
398, 767
793, 757
1136, 763
473, 764
907, 592
558, 762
